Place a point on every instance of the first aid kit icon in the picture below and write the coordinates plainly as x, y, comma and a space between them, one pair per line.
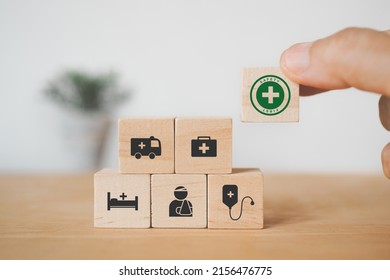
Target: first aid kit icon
203, 146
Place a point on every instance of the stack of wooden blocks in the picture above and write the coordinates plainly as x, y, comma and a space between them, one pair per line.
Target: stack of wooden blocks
177, 172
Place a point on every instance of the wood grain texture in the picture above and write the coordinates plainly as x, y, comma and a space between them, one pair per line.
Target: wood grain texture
250, 114
189, 132
144, 128
249, 184
305, 217
164, 201
113, 191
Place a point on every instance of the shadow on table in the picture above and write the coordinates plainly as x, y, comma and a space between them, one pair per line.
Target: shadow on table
279, 211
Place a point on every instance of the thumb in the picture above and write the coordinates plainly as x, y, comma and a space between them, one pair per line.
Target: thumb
353, 57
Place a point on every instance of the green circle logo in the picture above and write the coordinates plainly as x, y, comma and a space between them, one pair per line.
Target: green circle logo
270, 95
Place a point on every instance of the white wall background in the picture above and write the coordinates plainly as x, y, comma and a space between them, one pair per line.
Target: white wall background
183, 58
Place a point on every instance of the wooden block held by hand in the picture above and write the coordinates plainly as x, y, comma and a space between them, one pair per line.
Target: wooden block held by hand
179, 201
236, 200
121, 200
268, 96
146, 145
203, 145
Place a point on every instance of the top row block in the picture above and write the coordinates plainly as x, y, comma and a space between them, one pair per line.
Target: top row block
180, 145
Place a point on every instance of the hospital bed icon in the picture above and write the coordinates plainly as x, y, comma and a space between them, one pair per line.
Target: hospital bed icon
115, 203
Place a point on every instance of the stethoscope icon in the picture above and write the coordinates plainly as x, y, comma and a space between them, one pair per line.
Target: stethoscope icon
230, 198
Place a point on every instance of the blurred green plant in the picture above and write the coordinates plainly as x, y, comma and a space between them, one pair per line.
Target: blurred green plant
86, 91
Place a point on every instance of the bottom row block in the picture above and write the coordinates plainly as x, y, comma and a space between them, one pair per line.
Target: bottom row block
122, 201
179, 200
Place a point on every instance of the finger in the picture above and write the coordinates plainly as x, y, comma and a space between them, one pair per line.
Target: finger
308, 91
384, 111
386, 160
354, 57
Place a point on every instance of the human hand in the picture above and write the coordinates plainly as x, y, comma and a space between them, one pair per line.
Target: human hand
353, 57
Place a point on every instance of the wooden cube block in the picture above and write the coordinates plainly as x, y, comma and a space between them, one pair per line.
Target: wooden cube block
146, 145
121, 200
203, 145
236, 200
179, 201
268, 96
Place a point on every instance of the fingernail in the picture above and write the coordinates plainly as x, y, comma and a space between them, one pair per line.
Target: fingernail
296, 59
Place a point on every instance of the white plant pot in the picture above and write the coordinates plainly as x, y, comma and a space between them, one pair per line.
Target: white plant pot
84, 136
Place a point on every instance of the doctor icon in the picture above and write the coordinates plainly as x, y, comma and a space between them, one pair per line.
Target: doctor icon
180, 207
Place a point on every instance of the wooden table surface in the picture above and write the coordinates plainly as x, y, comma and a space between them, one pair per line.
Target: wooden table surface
306, 217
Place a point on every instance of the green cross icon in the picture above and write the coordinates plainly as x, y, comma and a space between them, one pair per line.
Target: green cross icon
270, 95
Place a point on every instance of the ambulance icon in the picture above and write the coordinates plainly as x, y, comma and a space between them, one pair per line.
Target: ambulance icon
150, 147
